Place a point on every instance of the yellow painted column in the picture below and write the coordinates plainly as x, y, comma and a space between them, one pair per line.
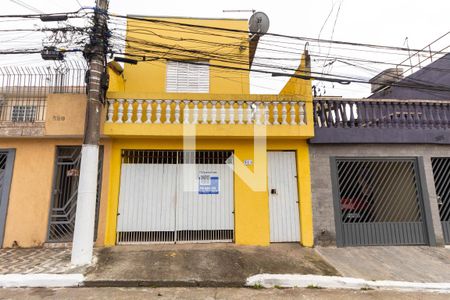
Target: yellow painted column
251, 207
113, 196
305, 199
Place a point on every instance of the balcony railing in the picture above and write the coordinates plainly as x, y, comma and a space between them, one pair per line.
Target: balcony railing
22, 111
240, 112
378, 121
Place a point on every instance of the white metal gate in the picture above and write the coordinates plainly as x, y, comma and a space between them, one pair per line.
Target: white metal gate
283, 197
158, 204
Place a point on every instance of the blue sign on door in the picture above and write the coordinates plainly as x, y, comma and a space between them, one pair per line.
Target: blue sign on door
208, 184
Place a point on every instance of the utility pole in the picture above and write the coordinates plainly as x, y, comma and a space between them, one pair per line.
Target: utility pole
95, 53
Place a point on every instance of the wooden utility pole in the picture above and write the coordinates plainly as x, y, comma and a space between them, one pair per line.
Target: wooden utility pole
95, 53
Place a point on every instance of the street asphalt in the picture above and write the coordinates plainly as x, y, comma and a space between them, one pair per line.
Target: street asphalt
210, 293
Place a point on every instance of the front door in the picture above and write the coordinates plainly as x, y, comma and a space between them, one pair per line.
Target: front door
283, 197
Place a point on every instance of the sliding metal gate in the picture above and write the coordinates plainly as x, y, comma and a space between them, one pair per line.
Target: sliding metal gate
175, 196
378, 202
441, 173
65, 193
6, 168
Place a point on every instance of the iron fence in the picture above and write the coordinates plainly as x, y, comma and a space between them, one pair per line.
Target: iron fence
23, 90
364, 113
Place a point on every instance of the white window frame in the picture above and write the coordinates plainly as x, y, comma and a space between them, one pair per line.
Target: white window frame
187, 77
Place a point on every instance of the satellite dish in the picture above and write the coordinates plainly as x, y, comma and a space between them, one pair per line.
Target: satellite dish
258, 23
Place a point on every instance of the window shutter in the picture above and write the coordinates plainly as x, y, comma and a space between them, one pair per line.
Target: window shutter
187, 77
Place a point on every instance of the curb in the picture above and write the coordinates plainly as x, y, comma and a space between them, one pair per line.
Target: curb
336, 282
41, 280
161, 283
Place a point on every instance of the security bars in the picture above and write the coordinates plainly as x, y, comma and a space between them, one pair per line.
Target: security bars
378, 202
441, 173
164, 165
65, 193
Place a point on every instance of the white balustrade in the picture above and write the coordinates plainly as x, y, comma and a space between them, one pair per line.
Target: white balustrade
110, 110
283, 113
177, 112
292, 112
139, 111
168, 114
149, 111
186, 112
231, 113
257, 113
158, 112
240, 112
301, 113
129, 111
206, 112
223, 113
249, 113
195, 115
266, 113
275, 113
214, 112
120, 111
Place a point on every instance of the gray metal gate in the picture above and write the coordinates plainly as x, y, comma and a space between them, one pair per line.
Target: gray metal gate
441, 173
6, 167
65, 193
378, 201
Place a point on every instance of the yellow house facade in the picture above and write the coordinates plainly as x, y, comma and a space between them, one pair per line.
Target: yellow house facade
194, 156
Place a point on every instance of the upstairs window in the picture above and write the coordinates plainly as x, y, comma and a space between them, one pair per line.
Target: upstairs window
187, 77
23, 113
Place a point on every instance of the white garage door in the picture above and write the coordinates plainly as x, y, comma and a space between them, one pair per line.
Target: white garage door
164, 200
283, 197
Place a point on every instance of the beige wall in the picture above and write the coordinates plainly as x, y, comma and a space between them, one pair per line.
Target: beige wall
30, 195
65, 114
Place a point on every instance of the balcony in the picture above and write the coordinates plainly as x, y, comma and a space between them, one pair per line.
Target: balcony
22, 116
381, 121
167, 115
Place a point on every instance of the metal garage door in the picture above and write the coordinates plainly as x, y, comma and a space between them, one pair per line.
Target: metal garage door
175, 196
283, 197
441, 172
378, 202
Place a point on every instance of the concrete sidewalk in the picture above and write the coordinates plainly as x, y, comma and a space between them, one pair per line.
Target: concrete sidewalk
207, 265
405, 263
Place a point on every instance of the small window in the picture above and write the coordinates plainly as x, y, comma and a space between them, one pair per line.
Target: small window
23, 113
187, 77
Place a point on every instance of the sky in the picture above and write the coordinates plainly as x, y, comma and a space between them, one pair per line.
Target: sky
383, 22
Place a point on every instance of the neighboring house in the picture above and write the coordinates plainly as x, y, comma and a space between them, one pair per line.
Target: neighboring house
158, 108
380, 167
435, 74
41, 126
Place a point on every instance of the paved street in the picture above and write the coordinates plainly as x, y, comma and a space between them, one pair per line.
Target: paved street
209, 293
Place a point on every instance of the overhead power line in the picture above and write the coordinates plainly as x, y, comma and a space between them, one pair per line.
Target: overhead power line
27, 6
306, 39
72, 14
